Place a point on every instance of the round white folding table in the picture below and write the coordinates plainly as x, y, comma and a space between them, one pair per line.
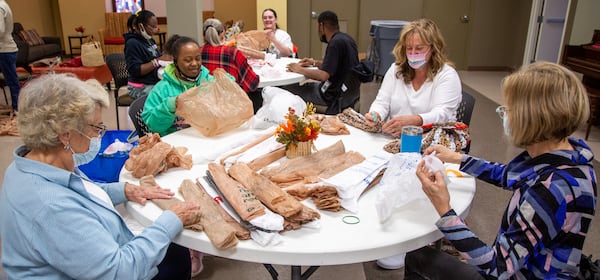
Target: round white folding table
276, 74
336, 242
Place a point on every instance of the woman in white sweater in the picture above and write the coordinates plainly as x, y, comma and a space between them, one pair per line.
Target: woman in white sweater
421, 87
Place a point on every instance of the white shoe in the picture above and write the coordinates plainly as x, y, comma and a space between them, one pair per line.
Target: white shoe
196, 260
393, 262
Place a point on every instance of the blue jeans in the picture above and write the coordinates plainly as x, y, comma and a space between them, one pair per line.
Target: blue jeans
137, 92
8, 67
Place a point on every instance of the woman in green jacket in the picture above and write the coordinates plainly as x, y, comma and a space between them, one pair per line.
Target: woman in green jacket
185, 72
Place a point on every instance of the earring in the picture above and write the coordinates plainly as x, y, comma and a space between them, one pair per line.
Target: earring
67, 146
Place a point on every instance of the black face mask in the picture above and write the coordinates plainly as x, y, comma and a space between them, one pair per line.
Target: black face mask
323, 39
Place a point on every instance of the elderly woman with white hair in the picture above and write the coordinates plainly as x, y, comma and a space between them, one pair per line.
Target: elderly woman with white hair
56, 223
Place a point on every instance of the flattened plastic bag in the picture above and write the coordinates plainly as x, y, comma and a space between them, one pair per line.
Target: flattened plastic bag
215, 107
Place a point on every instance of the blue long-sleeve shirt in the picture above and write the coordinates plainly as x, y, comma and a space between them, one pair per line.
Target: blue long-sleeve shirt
545, 223
52, 228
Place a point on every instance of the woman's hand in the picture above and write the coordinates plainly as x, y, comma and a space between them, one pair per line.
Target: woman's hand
372, 118
444, 154
271, 35
394, 126
435, 188
140, 195
188, 212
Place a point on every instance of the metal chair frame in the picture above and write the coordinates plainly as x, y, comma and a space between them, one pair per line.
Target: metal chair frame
464, 113
135, 114
118, 68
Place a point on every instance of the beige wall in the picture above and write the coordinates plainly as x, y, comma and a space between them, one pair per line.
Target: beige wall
279, 6
76, 12
498, 33
245, 10
586, 19
496, 38
34, 14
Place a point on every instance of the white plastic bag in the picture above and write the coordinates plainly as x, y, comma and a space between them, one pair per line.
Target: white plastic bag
399, 185
276, 102
352, 182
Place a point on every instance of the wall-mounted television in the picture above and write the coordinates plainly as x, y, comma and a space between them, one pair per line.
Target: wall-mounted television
131, 6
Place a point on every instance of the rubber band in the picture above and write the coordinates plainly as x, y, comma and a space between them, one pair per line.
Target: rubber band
455, 172
350, 219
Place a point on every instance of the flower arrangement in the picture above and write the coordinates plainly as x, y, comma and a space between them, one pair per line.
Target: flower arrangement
80, 29
298, 128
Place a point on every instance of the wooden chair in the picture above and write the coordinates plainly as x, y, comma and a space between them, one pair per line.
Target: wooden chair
111, 36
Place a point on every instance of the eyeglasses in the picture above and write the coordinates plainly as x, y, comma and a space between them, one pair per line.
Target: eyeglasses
502, 110
101, 129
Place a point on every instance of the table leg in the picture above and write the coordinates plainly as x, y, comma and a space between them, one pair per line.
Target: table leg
296, 272
272, 271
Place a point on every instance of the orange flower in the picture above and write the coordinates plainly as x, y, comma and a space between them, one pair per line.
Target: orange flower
298, 128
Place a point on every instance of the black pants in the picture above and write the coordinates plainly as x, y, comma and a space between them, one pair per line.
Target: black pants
429, 263
256, 98
176, 264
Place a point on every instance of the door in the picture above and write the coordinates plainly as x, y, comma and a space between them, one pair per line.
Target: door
546, 32
347, 12
453, 18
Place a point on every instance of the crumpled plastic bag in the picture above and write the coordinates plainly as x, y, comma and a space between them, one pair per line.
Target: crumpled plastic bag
434, 164
276, 102
251, 43
215, 107
353, 181
399, 185
152, 156
118, 146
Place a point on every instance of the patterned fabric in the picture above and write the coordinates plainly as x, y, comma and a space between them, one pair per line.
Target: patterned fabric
356, 119
31, 37
233, 61
544, 226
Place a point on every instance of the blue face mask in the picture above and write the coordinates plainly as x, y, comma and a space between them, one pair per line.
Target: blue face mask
81, 159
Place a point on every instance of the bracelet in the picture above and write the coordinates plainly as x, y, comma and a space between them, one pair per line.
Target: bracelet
314, 63
155, 63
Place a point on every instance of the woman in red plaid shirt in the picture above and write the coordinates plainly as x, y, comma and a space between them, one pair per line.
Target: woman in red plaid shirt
216, 55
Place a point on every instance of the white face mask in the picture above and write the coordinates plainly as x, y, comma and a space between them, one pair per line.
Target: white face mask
144, 33
81, 159
417, 61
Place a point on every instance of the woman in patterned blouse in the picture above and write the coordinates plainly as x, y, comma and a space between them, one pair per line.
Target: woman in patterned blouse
553, 182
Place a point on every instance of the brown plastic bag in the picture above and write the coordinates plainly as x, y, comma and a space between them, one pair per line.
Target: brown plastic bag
251, 43
215, 107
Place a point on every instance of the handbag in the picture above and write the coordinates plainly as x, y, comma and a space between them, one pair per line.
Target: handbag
364, 71
453, 135
91, 53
